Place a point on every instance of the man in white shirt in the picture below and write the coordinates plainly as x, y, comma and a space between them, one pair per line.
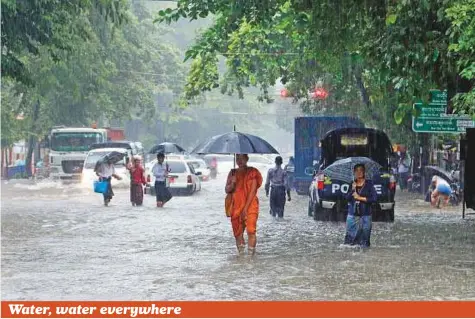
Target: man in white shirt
105, 171
160, 170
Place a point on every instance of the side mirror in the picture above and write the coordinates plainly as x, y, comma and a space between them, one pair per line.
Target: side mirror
198, 173
309, 171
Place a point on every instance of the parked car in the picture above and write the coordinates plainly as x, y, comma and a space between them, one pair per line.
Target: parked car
183, 179
340, 147
200, 166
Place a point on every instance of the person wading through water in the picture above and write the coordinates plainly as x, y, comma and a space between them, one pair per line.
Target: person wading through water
137, 179
360, 198
278, 184
105, 171
160, 171
290, 169
243, 184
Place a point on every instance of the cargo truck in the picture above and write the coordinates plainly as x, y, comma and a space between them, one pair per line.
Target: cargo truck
308, 132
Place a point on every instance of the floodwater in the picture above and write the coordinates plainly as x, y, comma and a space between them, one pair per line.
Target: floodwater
60, 243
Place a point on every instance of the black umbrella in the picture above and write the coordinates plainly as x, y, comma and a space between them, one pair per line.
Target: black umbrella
166, 148
114, 156
235, 143
435, 170
343, 169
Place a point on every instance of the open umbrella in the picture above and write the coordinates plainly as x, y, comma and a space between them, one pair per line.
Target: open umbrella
166, 148
430, 171
114, 156
235, 143
343, 169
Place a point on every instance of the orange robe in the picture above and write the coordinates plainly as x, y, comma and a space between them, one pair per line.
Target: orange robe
244, 180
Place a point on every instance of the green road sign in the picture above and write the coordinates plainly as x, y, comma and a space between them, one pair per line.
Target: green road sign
437, 96
448, 124
431, 110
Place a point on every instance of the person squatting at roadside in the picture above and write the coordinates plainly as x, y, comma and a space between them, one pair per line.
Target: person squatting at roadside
441, 191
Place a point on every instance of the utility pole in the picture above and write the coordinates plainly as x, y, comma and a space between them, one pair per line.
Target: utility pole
32, 139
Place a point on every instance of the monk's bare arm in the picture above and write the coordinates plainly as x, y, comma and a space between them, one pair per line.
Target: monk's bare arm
251, 195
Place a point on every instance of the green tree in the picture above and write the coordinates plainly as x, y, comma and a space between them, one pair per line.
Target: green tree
390, 54
114, 74
29, 25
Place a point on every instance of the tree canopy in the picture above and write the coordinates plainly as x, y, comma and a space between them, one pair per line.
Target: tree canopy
392, 52
93, 70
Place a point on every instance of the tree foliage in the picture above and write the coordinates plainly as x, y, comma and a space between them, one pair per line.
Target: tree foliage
98, 61
29, 25
109, 73
391, 53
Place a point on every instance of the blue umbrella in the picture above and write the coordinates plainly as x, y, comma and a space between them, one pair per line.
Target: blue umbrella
343, 169
235, 143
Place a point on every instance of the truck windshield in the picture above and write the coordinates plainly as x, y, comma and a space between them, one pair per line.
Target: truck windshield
74, 142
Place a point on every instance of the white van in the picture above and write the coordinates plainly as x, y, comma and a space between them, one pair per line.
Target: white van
183, 179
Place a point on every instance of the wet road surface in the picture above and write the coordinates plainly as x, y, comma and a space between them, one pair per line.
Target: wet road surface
60, 243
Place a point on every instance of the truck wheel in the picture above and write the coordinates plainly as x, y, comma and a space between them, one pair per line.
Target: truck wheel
310, 208
322, 214
389, 216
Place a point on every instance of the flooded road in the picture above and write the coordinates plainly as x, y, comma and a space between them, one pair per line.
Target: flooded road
60, 243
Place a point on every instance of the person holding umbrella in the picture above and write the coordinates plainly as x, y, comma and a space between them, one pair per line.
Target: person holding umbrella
360, 198
241, 203
160, 171
105, 170
243, 183
278, 184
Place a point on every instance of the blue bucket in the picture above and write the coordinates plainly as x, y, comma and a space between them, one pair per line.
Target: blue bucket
100, 187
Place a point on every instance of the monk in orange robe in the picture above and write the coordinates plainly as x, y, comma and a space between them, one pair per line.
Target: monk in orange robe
243, 184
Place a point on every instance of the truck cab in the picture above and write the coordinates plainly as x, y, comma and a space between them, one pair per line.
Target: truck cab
68, 150
341, 150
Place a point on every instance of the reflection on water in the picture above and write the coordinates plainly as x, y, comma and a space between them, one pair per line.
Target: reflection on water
59, 242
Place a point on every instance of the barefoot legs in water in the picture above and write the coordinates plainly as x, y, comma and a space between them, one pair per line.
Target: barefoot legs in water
251, 244
240, 244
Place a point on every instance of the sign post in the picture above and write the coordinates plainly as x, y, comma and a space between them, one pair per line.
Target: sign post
433, 117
